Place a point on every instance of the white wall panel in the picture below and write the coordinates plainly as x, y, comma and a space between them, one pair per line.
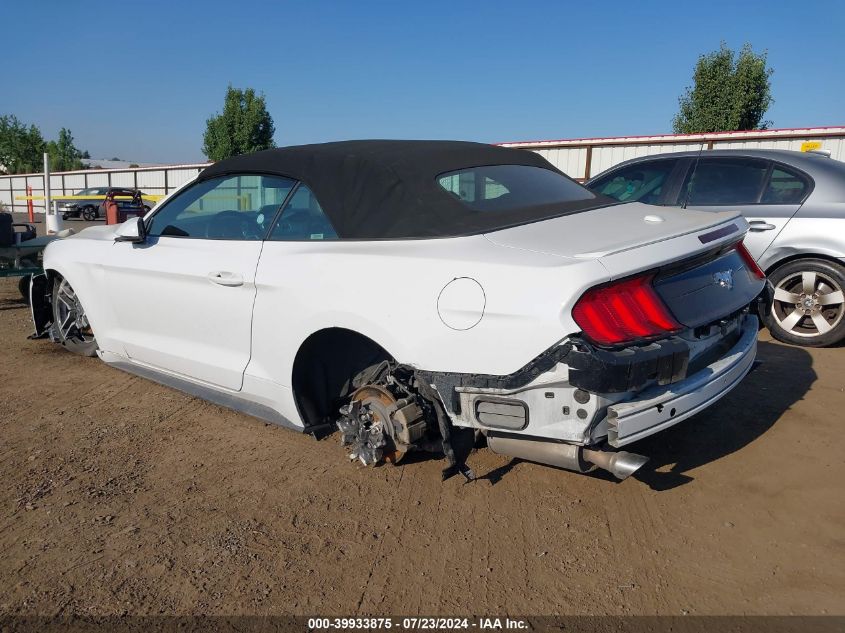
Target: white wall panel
123, 179
74, 181
98, 179
150, 179
178, 177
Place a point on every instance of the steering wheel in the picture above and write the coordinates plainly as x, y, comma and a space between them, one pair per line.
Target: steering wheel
248, 230
295, 224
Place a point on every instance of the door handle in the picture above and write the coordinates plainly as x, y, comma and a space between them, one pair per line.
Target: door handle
756, 226
225, 278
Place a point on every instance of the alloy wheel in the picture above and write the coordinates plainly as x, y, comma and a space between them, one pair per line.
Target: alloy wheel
70, 316
808, 303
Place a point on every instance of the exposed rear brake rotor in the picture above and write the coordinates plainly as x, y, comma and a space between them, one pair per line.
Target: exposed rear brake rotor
381, 404
366, 426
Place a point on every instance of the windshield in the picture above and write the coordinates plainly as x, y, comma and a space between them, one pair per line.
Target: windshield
508, 187
88, 192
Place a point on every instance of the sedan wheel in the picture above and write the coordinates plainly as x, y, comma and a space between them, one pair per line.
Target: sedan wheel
70, 324
89, 213
809, 304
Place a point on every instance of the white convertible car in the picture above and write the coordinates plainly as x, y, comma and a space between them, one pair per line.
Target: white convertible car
418, 295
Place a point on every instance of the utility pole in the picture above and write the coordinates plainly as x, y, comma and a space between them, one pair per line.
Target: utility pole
53, 221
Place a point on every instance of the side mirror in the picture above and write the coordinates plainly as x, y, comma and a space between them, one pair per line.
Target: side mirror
133, 230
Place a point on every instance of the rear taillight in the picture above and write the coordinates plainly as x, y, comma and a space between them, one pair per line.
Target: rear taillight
623, 311
753, 268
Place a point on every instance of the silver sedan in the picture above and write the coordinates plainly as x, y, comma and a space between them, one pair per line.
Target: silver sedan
795, 204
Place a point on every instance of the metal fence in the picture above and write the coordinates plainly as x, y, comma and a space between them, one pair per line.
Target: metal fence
579, 158
583, 158
151, 180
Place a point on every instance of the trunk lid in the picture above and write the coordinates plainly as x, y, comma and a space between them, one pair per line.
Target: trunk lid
609, 230
698, 275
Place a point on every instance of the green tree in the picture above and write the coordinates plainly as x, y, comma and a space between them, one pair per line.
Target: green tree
63, 153
244, 126
21, 147
729, 92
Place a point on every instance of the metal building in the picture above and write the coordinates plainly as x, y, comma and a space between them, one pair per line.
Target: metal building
579, 158
585, 157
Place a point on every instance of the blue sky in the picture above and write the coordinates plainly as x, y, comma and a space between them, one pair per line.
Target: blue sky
138, 79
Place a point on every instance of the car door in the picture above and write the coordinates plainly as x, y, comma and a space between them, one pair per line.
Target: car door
767, 194
183, 299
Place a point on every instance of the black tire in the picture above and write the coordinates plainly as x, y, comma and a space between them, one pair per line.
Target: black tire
90, 213
23, 286
70, 324
809, 305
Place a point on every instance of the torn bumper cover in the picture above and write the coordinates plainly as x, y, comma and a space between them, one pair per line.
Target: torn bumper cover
660, 407
583, 395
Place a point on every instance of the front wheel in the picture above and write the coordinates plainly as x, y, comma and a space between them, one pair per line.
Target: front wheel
70, 323
809, 305
90, 213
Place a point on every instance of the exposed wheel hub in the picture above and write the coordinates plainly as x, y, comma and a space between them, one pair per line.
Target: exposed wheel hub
378, 425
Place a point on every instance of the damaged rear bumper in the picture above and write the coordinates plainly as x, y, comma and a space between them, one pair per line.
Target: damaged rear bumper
660, 407
586, 397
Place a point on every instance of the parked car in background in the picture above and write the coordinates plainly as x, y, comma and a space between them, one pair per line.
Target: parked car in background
93, 208
795, 205
415, 293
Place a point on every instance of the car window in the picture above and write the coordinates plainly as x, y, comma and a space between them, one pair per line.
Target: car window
303, 219
641, 182
720, 181
509, 187
224, 208
784, 188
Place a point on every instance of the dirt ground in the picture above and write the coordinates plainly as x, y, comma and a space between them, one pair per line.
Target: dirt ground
120, 496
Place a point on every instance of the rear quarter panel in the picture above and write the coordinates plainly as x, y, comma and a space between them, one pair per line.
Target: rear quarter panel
817, 229
388, 291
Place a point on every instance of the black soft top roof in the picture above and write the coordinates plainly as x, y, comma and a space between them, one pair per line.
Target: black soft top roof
384, 189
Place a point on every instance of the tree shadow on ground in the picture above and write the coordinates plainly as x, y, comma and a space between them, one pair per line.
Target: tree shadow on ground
752, 408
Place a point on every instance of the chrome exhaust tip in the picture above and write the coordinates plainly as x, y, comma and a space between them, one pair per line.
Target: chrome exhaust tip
621, 464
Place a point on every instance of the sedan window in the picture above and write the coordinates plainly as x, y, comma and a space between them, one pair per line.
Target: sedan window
642, 182
720, 181
784, 188
224, 208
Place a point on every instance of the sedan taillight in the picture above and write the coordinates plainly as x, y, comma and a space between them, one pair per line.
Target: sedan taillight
624, 311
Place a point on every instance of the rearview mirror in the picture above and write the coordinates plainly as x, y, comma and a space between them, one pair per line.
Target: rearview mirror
133, 230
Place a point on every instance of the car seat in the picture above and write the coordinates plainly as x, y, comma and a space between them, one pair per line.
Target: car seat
7, 231
8, 235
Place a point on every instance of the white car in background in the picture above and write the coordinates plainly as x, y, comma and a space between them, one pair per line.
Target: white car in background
415, 295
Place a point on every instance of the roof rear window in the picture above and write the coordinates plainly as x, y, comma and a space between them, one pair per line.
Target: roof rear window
508, 187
